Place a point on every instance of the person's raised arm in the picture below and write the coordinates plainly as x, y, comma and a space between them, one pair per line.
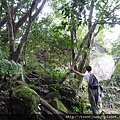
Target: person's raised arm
78, 73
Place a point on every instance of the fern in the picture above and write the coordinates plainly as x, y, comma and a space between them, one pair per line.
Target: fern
11, 68
2, 53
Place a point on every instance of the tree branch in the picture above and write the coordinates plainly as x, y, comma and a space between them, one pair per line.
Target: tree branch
79, 51
24, 38
3, 21
90, 14
49, 107
24, 18
94, 35
10, 27
39, 10
22, 43
21, 21
90, 22
84, 42
110, 23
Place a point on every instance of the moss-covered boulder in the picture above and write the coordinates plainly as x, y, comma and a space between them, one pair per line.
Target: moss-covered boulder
56, 103
64, 90
24, 100
53, 94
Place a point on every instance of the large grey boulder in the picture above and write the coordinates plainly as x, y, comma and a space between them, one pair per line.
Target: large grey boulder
102, 64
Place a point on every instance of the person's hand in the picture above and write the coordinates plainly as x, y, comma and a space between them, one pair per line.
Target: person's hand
71, 68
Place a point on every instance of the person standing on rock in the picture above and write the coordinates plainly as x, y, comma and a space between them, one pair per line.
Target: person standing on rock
94, 93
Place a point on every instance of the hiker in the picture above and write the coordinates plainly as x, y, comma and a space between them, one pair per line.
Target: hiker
94, 93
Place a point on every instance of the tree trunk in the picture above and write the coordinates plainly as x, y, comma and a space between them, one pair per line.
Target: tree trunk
31, 19
13, 28
10, 28
79, 51
85, 61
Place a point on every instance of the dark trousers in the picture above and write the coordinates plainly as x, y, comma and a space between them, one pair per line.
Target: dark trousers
93, 98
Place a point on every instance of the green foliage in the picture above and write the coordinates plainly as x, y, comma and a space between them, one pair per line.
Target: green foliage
74, 15
79, 11
56, 74
3, 54
116, 79
76, 109
116, 54
10, 68
48, 47
79, 108
116, 47
100, 37
48, 50
111, 93
3, 42
2, 103
117, 69
82, 106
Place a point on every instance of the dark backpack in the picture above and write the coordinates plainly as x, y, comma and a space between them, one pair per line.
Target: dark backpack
93, 82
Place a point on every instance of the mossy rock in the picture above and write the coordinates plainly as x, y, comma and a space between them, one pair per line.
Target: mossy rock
56, 103
53, 94
64, 90
24, 100
34, 88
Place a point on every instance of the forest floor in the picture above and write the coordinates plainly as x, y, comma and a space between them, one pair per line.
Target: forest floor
111, 110
110, 102
111, 99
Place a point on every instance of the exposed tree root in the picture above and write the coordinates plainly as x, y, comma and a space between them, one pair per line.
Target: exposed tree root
51, 109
